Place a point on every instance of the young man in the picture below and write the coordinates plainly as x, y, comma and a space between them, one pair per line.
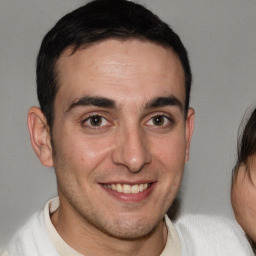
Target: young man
113, 83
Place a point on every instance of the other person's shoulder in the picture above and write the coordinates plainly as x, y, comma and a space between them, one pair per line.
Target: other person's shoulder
212, 236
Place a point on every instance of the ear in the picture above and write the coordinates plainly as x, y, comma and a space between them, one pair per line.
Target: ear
40, 136
189, 130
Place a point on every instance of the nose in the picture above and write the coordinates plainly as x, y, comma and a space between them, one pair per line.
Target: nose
132, 150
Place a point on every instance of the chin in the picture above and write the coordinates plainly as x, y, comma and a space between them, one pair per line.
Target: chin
127, 228
126, 231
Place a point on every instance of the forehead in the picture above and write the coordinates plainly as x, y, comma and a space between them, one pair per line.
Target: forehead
120, 70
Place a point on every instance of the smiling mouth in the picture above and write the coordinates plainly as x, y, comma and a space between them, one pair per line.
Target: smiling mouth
128, 189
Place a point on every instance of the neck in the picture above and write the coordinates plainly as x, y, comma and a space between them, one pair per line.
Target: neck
86, 239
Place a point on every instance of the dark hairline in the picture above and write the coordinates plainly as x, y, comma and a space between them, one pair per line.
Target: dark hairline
72, 30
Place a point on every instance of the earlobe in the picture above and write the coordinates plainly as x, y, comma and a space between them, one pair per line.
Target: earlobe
40, 136
189, 130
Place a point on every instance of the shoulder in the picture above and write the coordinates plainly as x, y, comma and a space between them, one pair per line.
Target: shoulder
31, 239
212, 235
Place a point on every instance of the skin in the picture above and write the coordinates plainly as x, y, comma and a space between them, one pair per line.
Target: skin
138, 141
243, 196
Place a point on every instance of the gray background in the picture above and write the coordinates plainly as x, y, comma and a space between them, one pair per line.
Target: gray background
220, 36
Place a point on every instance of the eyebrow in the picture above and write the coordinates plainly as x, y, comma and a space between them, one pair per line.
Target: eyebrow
164, 101
108, 103
92, 101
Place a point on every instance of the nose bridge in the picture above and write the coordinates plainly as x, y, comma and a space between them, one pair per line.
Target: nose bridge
132, 148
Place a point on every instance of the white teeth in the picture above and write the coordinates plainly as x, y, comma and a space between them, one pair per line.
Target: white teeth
128, 189
135, 189
119, 188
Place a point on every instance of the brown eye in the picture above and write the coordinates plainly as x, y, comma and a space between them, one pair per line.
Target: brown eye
158, 120
95, 120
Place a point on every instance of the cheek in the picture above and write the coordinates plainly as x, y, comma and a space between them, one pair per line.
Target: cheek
238, 202
170, 151
249, 199
170, 155
244, 204
81, 154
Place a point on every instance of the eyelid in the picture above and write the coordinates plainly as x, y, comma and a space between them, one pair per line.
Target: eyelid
164, 114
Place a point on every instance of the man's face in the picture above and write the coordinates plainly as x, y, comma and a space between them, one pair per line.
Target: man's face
120, 136
244, 197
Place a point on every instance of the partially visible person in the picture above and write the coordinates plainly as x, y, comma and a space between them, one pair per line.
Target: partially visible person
243, 193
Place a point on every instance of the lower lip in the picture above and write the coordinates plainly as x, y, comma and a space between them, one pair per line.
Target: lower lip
131, 197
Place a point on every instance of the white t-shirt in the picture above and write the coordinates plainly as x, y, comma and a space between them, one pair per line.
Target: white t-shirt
191, 235
172, 246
